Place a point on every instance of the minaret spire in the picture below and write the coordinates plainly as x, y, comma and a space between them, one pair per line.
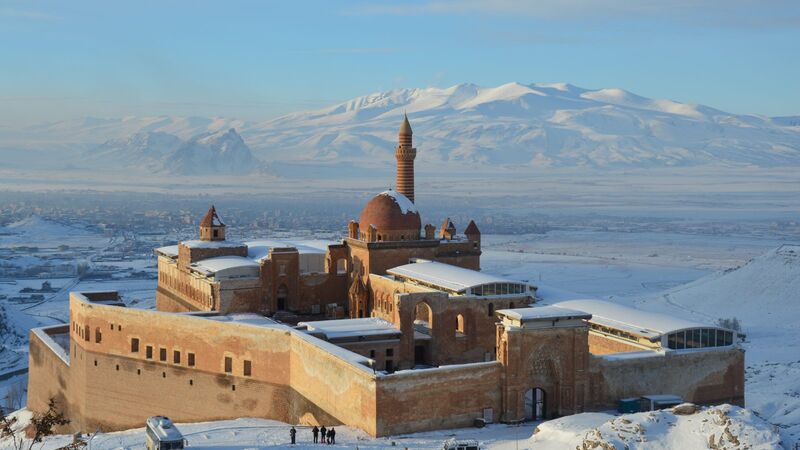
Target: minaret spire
405, 154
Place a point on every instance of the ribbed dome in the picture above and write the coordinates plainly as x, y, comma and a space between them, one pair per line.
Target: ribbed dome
390, 211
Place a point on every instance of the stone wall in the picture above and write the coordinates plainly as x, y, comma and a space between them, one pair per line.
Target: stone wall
294, 378
444, 397
700, 376
603, 345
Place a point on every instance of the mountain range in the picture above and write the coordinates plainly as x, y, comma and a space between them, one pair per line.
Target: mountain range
217, 153
512, 125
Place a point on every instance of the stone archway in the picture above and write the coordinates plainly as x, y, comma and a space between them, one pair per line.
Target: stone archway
282, 297
535, 404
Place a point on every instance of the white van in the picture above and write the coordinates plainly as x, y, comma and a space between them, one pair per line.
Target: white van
161, 434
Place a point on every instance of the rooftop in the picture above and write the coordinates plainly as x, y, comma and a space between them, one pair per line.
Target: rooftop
259, 249
635, 321
447, 276
544, 313
351, 328
228, 267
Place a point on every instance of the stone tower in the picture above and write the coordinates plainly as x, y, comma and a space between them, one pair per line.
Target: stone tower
211, 227
405, 155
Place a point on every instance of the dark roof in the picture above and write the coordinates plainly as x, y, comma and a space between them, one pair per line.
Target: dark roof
472, 229
211, 219
405, 128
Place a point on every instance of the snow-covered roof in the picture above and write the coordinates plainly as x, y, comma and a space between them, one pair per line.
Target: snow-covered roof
164, 429
635, 321
259, 249
228, 267
544, 313
197, 243
406, 205
351, 328
446, 276
245, 318
169, 250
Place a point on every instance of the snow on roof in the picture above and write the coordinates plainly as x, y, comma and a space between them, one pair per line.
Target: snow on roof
259, 249
197, 243
446, 276
51, 338
351, 328
246, 318
636, 321
169, 250
164, 429
544, 313
406, 205
228, 266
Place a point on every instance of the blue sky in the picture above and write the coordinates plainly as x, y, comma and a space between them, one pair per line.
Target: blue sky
259, 59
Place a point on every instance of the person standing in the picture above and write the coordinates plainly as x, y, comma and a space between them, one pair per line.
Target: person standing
292, 433
332, 436
315, 432
322, 432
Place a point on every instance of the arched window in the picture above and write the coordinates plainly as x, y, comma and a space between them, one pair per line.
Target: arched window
341, 266
490, 309
423, 316
460, 325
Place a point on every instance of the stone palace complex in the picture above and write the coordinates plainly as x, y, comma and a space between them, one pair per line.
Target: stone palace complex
392, 330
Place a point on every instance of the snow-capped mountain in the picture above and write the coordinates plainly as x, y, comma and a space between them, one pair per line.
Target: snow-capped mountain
220, 153
535, 125
145, 149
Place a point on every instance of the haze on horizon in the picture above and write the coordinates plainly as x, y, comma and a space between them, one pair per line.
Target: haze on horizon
257, 60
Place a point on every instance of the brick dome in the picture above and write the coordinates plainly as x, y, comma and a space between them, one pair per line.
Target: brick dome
390, 211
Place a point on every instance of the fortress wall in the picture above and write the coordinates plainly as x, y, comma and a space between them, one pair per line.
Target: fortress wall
293, 379
708, 376
50, 377
600, 345
444, 397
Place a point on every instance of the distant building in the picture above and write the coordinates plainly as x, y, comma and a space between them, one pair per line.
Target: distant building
392, 330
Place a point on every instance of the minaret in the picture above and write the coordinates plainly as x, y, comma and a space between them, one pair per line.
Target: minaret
405, 155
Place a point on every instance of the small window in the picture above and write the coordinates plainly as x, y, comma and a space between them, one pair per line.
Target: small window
148, 352
176, 357
163, 374
233, 387
490, 309
191, 382
216, 233
86, 333
95, 363
97, 335
389, 365
190, 359
138, 371
112, 326
228, 364
118, 367
248, 368
389, 352
162, 354
372, 354
134, 345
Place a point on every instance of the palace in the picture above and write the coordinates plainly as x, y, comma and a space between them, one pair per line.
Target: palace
392, 330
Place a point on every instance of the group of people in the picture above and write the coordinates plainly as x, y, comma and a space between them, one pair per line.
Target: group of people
321, 435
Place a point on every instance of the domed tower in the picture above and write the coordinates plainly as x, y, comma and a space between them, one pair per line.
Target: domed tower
392, 216
211, 227
405, 155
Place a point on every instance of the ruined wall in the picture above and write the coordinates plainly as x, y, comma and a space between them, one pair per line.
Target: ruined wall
430, 399
602, 345
702, 376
